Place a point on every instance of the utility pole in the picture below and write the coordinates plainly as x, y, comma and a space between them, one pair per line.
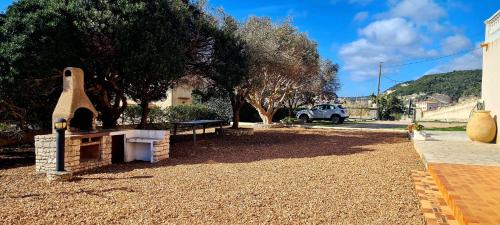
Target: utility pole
378, 89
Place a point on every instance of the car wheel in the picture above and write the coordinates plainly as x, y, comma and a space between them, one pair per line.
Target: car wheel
335, 119
341, 121
304, 118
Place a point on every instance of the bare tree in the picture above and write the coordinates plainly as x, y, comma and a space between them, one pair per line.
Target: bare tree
325, 84
281, 59
322, 87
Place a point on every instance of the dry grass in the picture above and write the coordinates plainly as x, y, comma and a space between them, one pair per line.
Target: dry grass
279, 176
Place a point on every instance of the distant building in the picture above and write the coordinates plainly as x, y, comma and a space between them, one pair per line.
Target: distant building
427, 105
491, 68
443, 99
179, 95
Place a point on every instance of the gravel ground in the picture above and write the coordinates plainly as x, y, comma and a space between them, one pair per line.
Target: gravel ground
277, 176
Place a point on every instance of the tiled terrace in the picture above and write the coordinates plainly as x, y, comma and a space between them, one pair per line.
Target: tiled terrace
432, 203
455, 148
467, 175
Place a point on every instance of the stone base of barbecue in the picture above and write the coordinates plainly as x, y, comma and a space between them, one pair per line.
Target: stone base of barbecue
161, 148
88, 151
55, 176
45, 150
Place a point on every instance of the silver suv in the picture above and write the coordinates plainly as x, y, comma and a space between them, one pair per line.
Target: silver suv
335, 113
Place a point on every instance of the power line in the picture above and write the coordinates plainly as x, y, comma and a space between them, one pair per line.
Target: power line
395, 81
432, 59
422, 61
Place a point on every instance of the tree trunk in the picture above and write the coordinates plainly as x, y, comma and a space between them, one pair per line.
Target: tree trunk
265, 115
109, 120
267, 118
108, 98
236, 117
144, 115
109, 115
236, 103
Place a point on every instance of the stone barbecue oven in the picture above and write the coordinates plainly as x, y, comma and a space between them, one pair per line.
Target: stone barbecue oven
74, 105
85, 147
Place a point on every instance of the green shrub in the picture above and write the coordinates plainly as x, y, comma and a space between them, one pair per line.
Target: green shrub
288, 120
10, 131
417, 126
132, 114
159, 118
190, 112
221, 107
157, 115
390, 106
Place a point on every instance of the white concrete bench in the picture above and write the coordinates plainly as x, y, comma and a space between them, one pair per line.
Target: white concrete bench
141, 144
142, 149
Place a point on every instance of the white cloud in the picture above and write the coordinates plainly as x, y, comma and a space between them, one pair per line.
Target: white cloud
387, 41
470, 61
455, 43
420, 11
395, 31
410, 30
361, 16
356, 54
361, 58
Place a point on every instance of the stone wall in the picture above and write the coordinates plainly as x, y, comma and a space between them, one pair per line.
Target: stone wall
45, 150
161, 149
455, 113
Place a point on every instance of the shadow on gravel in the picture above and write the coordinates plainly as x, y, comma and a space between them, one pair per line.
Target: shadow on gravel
98, 193
12, 157
278, 144
264, 145
76, 179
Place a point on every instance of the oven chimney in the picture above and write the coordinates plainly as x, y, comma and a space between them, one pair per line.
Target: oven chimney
73, 104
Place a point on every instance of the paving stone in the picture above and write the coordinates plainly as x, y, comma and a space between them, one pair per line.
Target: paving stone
431, 200
471, 191
452, 147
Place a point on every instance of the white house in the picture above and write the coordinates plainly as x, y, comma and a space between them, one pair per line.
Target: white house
491, 68
179, 95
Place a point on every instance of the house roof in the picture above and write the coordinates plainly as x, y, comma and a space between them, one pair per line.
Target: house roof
493, 17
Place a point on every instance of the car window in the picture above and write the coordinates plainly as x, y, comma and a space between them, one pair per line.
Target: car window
331, 107
340, 106
315, 108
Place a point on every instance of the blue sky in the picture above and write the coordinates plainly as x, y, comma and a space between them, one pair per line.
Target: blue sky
358, 34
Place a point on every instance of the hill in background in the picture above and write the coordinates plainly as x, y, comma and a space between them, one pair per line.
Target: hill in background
456, 84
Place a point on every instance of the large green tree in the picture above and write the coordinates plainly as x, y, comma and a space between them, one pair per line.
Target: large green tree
38, 40
229, 64
124, 47
390, 105
157, 51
